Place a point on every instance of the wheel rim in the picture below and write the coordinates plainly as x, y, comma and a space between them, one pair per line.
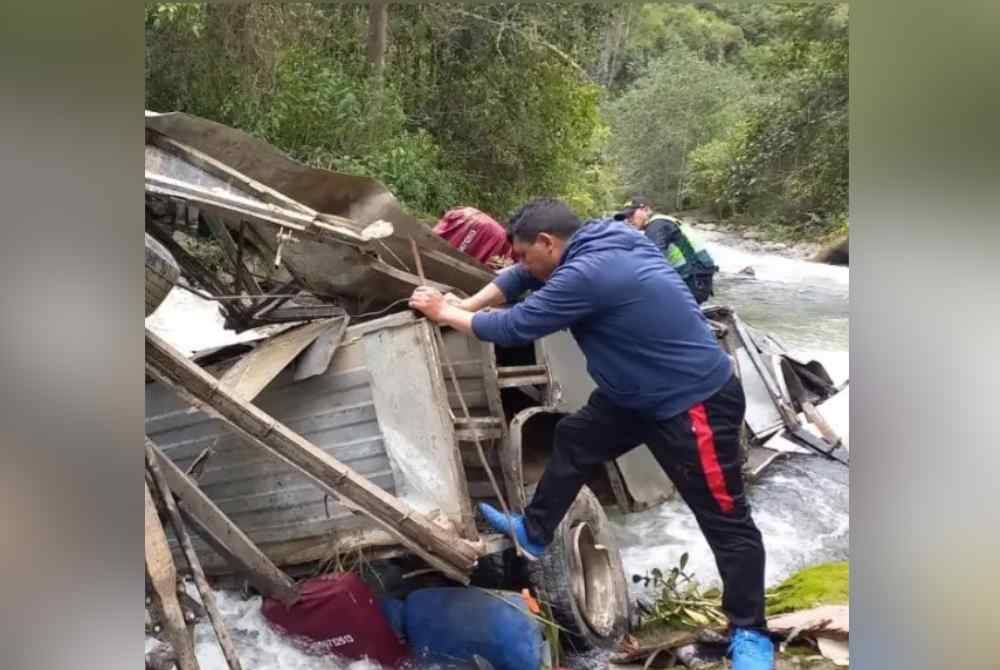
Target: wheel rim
592, 581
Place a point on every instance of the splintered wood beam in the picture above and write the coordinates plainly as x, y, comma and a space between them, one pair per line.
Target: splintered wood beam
443, 549
219, 531
163, 577
204, 590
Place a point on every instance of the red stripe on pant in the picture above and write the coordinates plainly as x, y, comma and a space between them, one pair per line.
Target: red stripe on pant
709, 459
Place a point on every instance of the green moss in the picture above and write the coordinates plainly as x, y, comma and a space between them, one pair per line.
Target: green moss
824, 584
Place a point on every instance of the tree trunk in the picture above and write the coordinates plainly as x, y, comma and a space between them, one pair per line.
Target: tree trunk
378, 18
614, 43
615, 39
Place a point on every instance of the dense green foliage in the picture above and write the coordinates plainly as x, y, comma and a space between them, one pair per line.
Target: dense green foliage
739, 108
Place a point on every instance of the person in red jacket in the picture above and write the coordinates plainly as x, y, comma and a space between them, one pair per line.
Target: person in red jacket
476, 234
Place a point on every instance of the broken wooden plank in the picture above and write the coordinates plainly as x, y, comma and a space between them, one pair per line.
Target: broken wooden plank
837, 651
516, 382
315, 360
482, 433
223, 535
435, 545
831, 621
256, 370
163, 576
409, 278
818, 420
302, 313
204, 590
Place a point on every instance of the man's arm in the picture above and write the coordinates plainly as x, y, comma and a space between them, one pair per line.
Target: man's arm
562, 301
488, 296
506, 288
432, 304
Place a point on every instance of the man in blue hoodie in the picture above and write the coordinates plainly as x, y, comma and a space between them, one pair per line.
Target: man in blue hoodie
662, 380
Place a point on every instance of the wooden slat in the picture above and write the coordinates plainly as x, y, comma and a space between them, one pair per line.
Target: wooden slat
409, 278
201, 582
478, 433
163, 576
444, 550
514, 382
521, 370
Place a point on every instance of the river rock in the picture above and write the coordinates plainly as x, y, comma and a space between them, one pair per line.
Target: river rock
161, 657
753, 235
835, 253
748, 271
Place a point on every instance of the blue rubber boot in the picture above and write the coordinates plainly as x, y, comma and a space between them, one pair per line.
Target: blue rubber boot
751, 650
502, 524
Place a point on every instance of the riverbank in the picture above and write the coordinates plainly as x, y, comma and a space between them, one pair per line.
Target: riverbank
741, 234
811, 635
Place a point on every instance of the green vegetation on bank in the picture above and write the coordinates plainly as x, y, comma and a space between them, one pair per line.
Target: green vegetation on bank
741, 108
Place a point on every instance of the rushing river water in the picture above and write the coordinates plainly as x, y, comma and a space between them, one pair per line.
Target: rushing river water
800, 503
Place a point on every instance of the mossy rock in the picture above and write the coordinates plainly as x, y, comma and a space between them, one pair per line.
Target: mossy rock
824, 584
835, 252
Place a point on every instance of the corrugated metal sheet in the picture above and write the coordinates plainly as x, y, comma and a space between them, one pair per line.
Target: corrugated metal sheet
268, 499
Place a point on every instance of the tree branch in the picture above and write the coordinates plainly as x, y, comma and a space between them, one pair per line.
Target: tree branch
528, 36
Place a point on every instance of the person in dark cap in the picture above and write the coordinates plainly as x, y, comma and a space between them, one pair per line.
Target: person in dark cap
682, 249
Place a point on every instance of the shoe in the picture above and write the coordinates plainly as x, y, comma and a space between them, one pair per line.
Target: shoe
503, 523
751, 650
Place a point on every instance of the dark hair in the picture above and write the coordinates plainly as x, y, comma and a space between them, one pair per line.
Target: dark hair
544, 215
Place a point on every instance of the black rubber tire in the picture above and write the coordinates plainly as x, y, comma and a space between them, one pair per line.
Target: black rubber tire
552, 576
161, 273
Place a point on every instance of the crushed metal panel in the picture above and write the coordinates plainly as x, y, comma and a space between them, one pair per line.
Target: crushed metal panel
253, 372
417, 428
317, 356
780, 443
571, 383
275, 505
646, 481
571, 386
167, 166
758, 458
762, 415
355, 201
837, 412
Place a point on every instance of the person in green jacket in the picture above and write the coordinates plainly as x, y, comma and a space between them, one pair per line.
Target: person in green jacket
682, 249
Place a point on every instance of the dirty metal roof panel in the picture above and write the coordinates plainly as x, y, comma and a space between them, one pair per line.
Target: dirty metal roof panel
268, 499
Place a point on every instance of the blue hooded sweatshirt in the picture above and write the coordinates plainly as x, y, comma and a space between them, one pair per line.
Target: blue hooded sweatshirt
647, 344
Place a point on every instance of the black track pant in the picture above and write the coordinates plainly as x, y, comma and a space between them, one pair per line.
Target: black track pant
699, 450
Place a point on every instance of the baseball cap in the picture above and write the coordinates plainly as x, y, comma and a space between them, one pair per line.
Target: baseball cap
634, 203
